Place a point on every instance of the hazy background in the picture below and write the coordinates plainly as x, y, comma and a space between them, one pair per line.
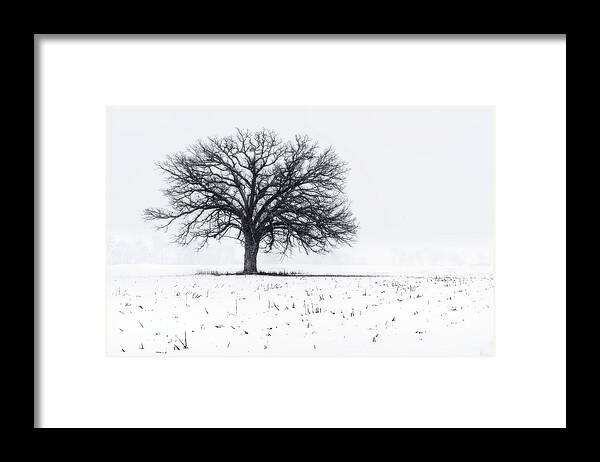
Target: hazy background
421, 181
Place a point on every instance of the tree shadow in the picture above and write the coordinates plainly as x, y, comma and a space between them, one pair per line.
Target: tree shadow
285, 274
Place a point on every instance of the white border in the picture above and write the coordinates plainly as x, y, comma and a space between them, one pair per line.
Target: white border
524, 385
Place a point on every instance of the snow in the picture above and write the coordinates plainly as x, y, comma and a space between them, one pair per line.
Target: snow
169, 310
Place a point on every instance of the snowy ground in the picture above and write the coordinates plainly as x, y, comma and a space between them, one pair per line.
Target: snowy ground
170, 311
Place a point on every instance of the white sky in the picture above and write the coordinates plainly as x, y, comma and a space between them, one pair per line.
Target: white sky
421, 181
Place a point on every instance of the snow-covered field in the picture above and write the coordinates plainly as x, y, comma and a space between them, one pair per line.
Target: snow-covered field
170, 311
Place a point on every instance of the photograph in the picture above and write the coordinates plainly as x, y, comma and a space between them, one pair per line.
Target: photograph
300, 231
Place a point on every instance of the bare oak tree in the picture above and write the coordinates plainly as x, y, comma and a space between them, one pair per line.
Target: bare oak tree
254, 187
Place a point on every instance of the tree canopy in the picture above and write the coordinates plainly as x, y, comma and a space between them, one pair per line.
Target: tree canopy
269, 194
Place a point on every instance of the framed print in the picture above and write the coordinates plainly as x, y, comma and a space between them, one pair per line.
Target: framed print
290, 231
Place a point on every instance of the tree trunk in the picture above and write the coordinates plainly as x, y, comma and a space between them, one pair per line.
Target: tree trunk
251, 251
